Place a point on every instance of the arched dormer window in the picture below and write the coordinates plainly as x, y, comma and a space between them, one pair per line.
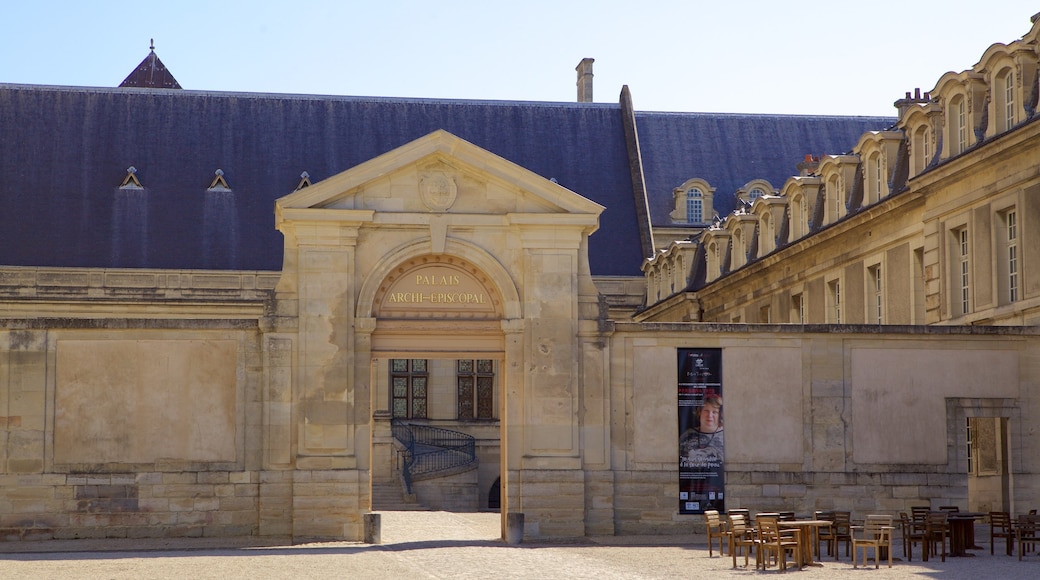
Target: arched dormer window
692, 202
755, 193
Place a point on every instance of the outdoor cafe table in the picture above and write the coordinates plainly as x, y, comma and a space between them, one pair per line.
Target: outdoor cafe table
808, 530
962, 532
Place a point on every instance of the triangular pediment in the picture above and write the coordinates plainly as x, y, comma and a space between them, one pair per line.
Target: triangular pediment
439, 173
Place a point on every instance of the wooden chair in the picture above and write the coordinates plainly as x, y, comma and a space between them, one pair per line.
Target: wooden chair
936, 529
1030, 548
741, 536
842, 531
741, 512
919, 512
825, 535
787, 516
1027, 533
716, 529
913, 533
774, 541
877, 534
1000, 527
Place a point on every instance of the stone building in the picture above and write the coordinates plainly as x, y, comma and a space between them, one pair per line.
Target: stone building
251, 314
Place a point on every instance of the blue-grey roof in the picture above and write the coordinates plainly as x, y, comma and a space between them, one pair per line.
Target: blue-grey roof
65, 150
729, 150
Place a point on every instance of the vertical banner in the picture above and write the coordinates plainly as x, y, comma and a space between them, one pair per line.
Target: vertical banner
701, 459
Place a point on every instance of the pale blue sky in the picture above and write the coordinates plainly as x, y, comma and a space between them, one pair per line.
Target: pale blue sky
741, 56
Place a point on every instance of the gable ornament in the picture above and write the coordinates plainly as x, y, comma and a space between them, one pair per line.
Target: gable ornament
438, 190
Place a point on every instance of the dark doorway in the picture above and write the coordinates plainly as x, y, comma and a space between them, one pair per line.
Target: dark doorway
495, 495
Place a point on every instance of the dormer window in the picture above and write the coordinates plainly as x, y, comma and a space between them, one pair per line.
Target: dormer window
755, 193
692, 202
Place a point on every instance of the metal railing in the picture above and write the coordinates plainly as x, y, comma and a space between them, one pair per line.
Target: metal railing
429, 450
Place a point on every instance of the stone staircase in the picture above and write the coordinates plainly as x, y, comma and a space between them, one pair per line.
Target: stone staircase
389, 496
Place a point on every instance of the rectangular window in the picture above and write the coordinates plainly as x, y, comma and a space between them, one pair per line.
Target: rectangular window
877, 295
764, 315
962, 127
834, 295
1011, 227
1009, 101
798, 309
963, 271
984, 442
409, 382
927, 148
476, 388
878, 177
694, 206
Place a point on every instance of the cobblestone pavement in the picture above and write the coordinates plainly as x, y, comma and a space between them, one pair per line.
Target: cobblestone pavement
449, 545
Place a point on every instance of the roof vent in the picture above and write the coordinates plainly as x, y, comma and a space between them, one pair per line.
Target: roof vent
131, 181
219, 185
305, 181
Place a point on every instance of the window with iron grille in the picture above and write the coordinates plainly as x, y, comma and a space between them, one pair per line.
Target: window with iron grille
476, 388
409, 384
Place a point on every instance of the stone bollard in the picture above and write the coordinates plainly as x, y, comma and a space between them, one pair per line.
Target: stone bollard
373, 529
514, 528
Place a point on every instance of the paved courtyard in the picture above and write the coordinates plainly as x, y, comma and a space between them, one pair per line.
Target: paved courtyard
448, 545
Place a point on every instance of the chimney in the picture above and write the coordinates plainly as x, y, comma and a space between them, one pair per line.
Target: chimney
904, 104
584, 69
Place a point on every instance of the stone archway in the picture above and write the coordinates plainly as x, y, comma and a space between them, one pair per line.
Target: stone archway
440, 308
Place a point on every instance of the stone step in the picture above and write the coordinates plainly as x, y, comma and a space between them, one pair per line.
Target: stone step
390, 497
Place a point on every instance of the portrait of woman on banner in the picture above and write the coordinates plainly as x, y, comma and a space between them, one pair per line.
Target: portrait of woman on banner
701, 446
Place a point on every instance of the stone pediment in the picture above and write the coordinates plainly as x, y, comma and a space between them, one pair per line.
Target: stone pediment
438, 174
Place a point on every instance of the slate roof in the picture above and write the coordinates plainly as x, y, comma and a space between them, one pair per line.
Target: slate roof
151, 74
729, 150
65, 151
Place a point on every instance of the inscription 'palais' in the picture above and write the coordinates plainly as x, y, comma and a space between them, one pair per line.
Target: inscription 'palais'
426, 289
421, 280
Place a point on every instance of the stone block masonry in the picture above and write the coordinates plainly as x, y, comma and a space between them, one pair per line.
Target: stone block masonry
129, 505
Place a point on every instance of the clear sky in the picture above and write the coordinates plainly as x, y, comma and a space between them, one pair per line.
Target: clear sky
740, 56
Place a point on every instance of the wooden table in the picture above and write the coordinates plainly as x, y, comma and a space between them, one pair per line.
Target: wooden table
962, 533
808, 530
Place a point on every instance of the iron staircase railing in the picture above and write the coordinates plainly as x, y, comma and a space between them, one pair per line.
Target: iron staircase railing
430, 450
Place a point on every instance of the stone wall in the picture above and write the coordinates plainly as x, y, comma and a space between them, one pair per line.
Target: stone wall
861, 418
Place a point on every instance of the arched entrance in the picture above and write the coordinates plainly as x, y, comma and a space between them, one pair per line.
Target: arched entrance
438, 361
